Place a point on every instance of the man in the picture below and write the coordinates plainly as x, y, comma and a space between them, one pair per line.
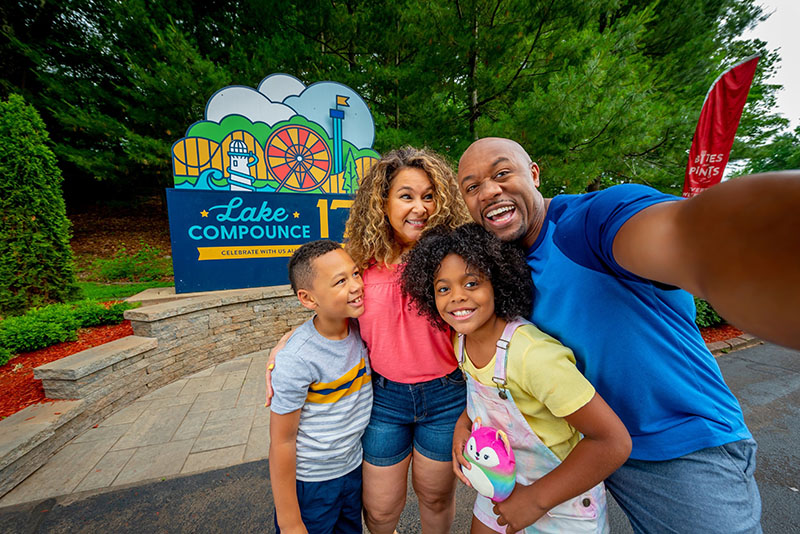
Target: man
607, 268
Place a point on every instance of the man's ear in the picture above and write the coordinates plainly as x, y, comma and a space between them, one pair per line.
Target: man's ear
535, 173
306, 299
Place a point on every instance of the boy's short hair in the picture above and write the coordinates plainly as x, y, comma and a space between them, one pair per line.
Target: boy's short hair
503, 264
301, 270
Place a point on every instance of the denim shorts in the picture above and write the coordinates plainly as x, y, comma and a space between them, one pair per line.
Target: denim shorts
421, 416
707, 491
332, 506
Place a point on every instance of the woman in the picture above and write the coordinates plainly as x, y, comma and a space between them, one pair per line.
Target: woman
419, 393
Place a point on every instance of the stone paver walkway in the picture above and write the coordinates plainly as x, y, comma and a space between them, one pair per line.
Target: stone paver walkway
212, 419
209, 420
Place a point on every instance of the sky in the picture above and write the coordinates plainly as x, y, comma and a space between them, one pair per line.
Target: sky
782, 31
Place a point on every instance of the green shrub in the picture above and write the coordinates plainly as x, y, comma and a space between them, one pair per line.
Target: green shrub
5, 355
36, 262
148, 263
116, 312
89, 313
706, 315
42, 327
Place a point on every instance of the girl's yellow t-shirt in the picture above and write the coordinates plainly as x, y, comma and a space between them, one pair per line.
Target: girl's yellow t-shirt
544, 383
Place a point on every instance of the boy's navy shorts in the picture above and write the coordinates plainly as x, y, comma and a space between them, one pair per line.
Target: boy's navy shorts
331, 506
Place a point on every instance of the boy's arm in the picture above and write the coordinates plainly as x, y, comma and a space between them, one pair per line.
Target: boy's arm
604, 447
283, 470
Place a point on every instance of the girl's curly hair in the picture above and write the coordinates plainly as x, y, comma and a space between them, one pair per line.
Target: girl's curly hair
503, 264
370, 235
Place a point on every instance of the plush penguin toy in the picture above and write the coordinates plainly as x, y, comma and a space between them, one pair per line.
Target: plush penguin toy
493, 471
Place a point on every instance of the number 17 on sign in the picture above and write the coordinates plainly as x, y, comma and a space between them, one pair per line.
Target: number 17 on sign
322, 205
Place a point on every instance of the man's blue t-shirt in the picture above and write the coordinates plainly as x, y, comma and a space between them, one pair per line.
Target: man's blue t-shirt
634, 339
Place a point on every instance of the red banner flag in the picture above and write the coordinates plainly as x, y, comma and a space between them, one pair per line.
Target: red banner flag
713, 138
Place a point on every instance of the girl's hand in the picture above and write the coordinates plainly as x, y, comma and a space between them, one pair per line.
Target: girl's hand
605, 446
460, 436
271, 363
519, 510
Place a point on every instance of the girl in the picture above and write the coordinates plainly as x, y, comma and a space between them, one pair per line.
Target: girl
519, 380
419, 393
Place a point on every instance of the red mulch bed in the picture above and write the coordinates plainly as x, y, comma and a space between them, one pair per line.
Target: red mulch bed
19, 388
720, 333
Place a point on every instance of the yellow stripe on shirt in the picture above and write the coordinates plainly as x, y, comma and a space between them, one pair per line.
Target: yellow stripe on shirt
330, 392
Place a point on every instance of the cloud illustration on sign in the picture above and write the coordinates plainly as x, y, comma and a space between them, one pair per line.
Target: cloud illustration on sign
246, 101
316, 102
280, 97
278, 87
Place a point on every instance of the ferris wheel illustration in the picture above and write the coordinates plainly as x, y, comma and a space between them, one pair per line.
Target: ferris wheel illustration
298, 158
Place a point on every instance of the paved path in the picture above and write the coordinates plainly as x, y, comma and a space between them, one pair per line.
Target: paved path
236, 499
212, 419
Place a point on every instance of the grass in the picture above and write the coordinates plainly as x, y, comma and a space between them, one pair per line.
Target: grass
147, 264
125, 273
100, 292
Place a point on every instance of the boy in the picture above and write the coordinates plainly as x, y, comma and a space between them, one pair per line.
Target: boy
323, 398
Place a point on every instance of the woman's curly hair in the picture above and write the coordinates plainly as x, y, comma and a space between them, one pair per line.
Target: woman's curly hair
503, 264
370, 235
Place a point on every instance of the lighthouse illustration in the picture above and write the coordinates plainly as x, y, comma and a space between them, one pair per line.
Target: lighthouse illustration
239, 168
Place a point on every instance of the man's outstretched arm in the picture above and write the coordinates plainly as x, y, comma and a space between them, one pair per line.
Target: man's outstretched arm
736, 245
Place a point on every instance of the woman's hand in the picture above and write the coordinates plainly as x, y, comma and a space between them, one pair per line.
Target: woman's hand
460, 436
271, 363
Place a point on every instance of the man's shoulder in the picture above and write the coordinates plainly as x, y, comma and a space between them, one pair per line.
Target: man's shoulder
602, 211
584, 226
616, 195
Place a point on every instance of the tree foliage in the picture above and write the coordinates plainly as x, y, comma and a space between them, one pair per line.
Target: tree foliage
598, 92
781, 154
350, 179
36, 266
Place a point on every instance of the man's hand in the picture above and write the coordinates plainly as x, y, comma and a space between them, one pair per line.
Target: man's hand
460, 436
519, 510
271, 363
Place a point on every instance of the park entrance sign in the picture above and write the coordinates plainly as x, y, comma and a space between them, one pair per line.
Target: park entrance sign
267, 170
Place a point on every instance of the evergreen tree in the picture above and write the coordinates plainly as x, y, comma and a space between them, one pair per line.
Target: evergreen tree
598, 92
783, 153
36, 266
350, 180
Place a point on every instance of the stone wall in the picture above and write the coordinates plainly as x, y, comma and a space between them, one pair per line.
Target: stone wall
202, 331
171, 340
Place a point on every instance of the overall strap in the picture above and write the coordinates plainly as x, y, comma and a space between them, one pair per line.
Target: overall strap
460, 353
501, 356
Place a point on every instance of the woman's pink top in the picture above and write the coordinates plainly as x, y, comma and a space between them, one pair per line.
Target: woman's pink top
403, 346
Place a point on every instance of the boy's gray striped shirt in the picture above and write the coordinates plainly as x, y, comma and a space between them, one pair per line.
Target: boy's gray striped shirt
329, 382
